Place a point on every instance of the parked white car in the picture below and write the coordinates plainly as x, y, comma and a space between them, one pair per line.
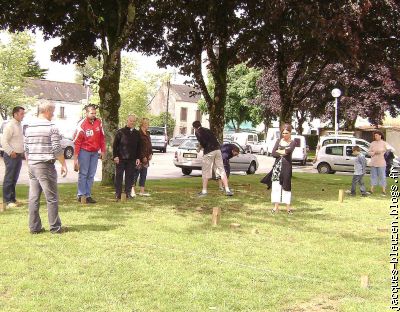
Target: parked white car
338, 157
159, 138
188, 159
300, 151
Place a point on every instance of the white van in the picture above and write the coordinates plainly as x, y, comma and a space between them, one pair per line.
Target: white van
273, 134
300, 151
245, 138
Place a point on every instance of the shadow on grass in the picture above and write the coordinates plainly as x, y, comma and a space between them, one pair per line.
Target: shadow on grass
92, 227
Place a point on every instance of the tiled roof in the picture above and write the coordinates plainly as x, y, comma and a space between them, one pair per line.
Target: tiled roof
184, 93
56, 90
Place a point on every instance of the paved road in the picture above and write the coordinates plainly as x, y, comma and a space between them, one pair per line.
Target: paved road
161, 167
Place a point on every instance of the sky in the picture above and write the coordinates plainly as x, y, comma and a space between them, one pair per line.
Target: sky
66, 73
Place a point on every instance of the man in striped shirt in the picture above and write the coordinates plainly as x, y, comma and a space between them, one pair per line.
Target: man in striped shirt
42, 148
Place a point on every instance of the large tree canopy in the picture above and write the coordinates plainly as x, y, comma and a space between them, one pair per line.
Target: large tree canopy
182, 32
86, 28
298, 39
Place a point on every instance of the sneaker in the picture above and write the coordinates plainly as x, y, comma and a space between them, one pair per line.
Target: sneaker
133, 194
11, 205
42, 230
130, 197
144, 194
79, 199
352, 194
90, 200
229, 193
201, 194
57, 231
368, 193
364, 195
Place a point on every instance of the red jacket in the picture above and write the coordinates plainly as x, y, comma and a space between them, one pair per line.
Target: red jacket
89, 136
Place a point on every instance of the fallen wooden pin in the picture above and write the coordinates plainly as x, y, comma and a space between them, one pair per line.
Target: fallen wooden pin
216, 216
364, 281
341, 196
2, 207
235, 225
382, 229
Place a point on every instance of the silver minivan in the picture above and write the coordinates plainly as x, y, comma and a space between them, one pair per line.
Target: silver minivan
338, 157
159, 138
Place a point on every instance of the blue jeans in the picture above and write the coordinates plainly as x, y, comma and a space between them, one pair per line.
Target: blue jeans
358, 179
378, 176
87, 170
13, 168
142, 171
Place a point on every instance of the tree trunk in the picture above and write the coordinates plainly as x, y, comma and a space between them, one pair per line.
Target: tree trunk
217, 107
110, 102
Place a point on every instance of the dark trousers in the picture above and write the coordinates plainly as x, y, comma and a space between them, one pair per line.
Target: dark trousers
127, 167
357, 179
13, 168
142, 171
43, 179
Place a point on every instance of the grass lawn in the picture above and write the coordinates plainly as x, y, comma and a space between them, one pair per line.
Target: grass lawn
162, 254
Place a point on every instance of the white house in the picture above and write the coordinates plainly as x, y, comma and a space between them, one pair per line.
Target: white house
69, 99
181, 104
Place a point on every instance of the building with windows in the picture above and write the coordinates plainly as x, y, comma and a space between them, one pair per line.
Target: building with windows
181, 102
69, 99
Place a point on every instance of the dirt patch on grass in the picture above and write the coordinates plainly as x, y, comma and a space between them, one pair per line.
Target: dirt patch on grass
316, 305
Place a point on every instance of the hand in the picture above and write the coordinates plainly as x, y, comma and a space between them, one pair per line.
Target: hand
116, 160
13, 154
64, 171
102, 155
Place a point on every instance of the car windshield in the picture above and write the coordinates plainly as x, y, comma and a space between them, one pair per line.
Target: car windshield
156, 131
189, 144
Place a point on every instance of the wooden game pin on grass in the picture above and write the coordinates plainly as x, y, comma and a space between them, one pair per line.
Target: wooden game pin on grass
364, 281
2, 207
216, 216
123, 197
341, 196
83, 200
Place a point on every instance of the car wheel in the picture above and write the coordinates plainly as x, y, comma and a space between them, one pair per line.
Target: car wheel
68, 152
261, 152
324, 168
171, 143
252, 169
164, 150
186, 171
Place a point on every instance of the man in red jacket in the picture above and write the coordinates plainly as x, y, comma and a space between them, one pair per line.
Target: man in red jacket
89, 139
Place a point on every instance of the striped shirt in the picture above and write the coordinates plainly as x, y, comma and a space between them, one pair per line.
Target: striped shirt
42, 141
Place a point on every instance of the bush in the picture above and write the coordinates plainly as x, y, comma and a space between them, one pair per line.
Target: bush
312, 141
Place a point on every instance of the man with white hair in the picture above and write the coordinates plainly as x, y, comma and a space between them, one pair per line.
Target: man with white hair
42, 148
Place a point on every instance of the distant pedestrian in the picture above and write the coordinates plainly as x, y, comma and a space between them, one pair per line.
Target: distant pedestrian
228, 151
212, 158
12, 142
42, 148
126, 154
377, 151
89, 140
280, 177
360, 167
145, 155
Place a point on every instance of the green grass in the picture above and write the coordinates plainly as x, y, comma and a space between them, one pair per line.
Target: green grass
162, 254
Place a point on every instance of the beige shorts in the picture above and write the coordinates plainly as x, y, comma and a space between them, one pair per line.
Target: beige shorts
213, 161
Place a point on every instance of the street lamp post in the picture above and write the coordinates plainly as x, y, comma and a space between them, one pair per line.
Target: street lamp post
336, 94
166, 116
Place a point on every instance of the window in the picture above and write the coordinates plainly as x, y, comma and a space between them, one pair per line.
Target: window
362, 143
329, 141
297, 142
183, 114
344, 141
198, 115
250, 138
334, 150
349, 151
62, 112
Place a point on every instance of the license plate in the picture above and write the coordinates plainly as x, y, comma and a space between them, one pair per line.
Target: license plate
189, 155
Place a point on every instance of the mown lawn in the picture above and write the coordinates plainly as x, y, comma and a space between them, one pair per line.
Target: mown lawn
162, 254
